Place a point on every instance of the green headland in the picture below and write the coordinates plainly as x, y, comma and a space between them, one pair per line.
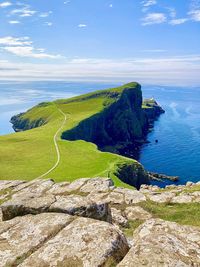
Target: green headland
84, 128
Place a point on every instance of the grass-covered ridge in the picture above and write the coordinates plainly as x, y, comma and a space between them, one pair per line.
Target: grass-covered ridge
28, 154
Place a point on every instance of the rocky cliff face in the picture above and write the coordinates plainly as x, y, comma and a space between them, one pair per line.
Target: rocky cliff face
119, 123
20, 124
122, 123
91, 223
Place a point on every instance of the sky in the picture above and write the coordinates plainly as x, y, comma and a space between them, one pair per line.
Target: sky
149, 41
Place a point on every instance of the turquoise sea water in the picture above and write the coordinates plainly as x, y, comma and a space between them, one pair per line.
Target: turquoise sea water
178, 130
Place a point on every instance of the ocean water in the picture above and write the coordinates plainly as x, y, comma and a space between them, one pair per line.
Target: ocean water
177, 131
16, 97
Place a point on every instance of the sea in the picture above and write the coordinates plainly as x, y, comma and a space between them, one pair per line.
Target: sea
177, 151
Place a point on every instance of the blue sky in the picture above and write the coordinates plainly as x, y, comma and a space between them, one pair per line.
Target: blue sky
151, 41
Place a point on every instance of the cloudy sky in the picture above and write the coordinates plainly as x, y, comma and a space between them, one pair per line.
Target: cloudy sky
151, 41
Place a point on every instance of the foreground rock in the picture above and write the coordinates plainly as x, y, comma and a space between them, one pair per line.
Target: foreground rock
43, 223
80, 206
160, 243
45, 196
84, 242
21, 236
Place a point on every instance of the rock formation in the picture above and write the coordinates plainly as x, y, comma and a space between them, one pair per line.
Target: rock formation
123, 122
88, 223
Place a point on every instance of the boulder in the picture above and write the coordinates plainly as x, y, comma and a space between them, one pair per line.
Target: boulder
81, 206
96, 197
26, 205
4, 184
196, 196
59, 189
76, 185
182, 198
97, 185
27, 234
84, 242
115, 198
160, 243
131, 196
118, 218
35, 188
163, 197
137, 213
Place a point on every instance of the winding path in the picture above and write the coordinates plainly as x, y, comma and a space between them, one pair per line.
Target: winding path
56, 146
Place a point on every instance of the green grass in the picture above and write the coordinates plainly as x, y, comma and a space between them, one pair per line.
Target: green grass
132, 225
186, 214
26, 155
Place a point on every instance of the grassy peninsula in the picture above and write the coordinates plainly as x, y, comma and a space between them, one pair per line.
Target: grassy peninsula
30, 152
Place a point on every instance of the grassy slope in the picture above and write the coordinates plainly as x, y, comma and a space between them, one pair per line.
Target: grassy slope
27, 155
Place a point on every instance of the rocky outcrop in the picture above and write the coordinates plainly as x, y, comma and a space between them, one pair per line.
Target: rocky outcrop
84, 242
92, 223
123, 122
22, 124
120, 122
181, 194
22, 235
160, 177
152, 109
161, 243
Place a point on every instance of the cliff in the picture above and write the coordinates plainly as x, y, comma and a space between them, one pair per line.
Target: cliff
124, 121
151, 109
21, 122
92, 223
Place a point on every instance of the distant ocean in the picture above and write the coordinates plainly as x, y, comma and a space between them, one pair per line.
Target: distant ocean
177, 131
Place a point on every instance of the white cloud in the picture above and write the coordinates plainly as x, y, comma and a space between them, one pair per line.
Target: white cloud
23, 12
182, 70
195, 15
154, 18
28, 51
148, 3
82, 25
14, 22
178, 21
66, 2
22, 47
12, 41
5, 4
111, 5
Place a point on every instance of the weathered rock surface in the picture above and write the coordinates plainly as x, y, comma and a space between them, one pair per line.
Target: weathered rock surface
27, 234
23, 206
173, 194
78, 224
159, 243
137, 213
164, 197
9, 184
81, 206
84, 242
46, 196
118, 218
97, 185
131, 196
